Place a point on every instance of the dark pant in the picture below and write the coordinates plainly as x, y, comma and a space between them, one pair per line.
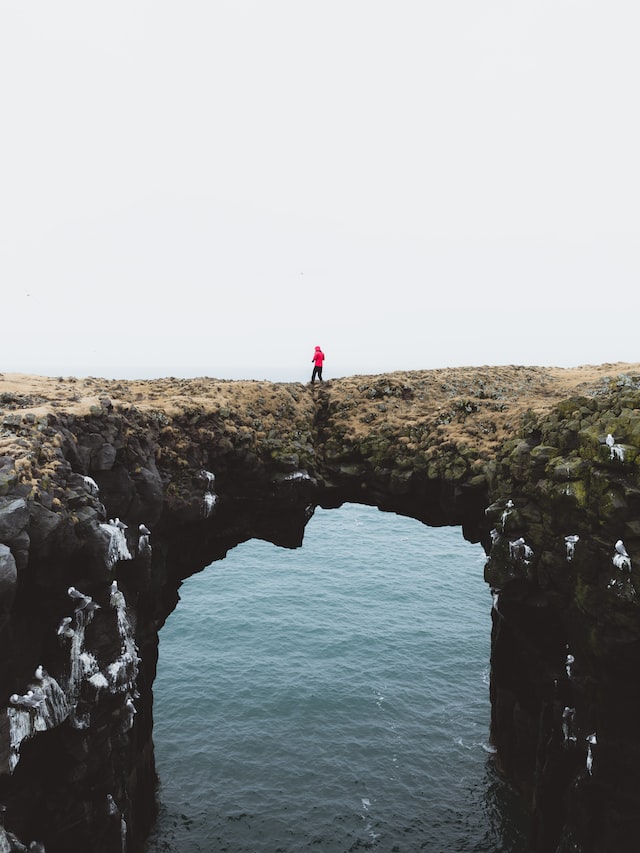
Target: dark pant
317, 371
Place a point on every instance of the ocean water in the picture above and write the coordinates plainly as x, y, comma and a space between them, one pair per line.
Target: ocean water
332, 698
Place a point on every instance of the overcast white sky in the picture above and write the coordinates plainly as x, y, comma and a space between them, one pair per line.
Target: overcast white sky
201, 187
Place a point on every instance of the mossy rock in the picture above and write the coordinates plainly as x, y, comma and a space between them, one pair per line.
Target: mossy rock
589, 445
543, 453
555, 572
511, 523
456, 471
610, 504
563, 470
574, 405
8, 480
518, 459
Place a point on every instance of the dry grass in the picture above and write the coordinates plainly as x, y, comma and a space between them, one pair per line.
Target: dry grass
478, 405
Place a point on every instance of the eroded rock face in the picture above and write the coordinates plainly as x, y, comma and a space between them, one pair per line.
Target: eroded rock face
566, 623
103, 514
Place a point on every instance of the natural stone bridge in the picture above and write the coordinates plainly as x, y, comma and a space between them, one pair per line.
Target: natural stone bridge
540, 466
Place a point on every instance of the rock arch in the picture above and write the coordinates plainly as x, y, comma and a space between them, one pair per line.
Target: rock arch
541, 471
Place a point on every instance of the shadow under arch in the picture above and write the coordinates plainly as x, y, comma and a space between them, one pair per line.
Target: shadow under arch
333, 696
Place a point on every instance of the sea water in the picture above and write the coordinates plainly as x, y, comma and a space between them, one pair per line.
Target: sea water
332, 698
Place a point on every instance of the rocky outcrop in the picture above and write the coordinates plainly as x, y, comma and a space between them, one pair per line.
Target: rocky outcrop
107, 505
566, 621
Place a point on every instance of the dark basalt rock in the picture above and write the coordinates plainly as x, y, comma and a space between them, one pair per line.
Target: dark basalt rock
77, 764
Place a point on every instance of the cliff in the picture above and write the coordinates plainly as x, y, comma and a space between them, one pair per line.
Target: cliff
111, 493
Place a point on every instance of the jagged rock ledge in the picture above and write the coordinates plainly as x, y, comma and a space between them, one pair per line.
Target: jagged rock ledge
111, 493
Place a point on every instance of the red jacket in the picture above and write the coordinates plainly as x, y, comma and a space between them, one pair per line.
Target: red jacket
318, 357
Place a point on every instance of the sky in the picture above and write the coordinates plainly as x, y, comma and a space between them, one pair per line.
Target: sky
215, 187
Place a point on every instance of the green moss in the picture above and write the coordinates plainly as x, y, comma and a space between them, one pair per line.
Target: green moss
572, 406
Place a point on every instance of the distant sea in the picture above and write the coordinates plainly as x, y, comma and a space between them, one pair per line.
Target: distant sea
332, 698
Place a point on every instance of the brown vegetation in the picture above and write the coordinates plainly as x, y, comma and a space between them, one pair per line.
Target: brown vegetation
472, 405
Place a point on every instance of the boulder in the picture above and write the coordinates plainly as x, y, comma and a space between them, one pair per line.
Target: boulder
8, 578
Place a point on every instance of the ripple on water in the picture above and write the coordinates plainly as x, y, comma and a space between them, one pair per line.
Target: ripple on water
332, 698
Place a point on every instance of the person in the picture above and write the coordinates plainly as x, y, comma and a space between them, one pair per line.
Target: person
318, 358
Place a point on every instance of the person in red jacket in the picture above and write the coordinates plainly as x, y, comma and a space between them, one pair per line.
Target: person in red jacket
318, 358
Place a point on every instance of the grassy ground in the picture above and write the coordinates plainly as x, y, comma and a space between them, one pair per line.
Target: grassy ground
478, 405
